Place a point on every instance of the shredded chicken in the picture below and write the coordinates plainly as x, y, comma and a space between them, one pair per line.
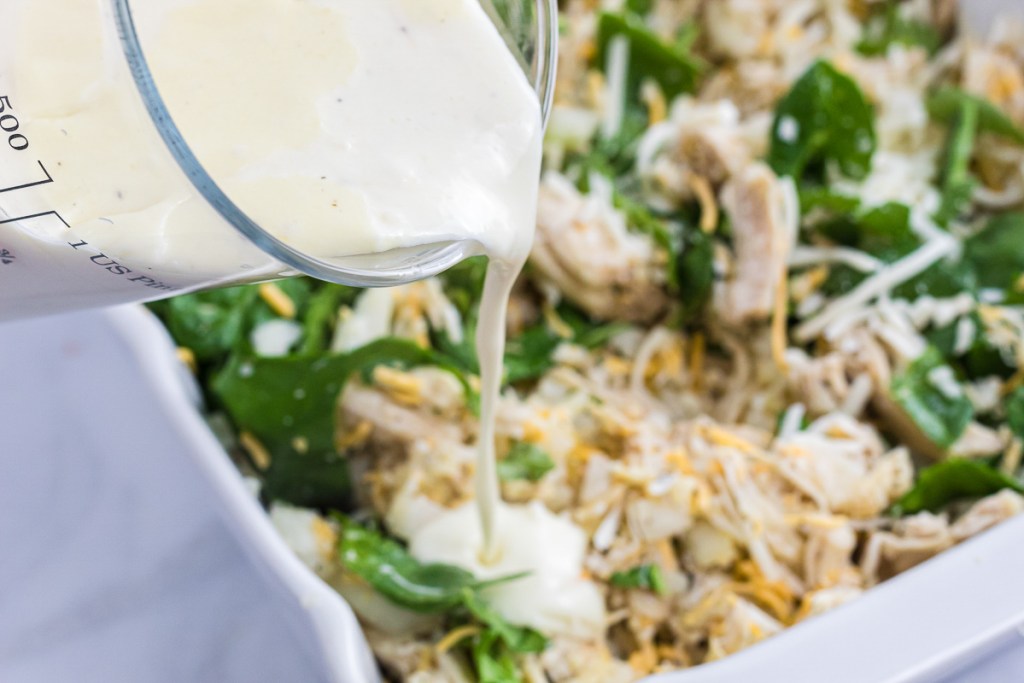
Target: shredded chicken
764, 228
585, 250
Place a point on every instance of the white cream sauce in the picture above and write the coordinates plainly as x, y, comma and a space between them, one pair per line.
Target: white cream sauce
553, 597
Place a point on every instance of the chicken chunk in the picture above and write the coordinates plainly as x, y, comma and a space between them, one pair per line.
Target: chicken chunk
390, 425
713, 154
743, 625
569, 661
763, 210
912, 541
585, 250
828, 553
988, 512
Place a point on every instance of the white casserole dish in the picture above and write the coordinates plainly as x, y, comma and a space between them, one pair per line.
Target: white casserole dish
117, 504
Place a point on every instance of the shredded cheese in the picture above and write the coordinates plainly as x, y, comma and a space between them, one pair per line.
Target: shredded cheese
1011, 461
456, 636
401, 386
256, 450
881, 282
720, 437
803, 256
654, 98
617, 68
555, 322
188, 357
278, 301
356, 436
706, 197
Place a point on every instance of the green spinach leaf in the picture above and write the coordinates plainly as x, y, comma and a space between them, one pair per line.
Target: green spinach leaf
396, 575
996, 252
640, 7
824, 117
981, 359
673, 66
952, 480
211, 324
885, 232
941, 415
826, 199
219, 322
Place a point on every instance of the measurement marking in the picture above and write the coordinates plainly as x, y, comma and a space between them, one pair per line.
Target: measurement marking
37, 215
49, 179
6, 257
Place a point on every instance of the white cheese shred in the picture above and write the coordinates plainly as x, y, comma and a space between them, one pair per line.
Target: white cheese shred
878, 284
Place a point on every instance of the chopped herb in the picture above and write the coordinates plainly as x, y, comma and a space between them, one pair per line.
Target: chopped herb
493, 661
947, 102
824, 117
646, 577
940, 414
525, 462
952, 480
957, 183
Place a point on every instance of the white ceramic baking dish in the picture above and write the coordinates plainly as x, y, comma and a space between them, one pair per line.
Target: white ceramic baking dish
96, 413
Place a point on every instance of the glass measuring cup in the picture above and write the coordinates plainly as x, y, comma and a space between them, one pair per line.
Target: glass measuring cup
133, 169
